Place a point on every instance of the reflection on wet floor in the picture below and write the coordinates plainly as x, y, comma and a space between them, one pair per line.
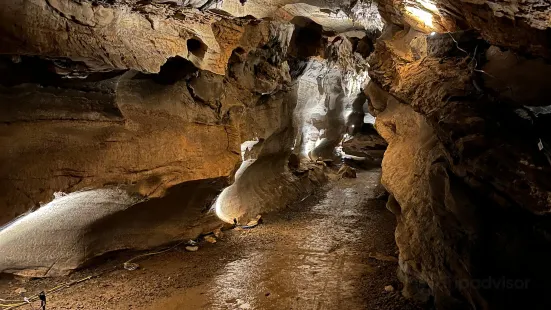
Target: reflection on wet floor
319, 260
334, 250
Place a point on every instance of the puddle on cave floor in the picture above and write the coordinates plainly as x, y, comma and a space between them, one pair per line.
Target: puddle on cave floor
317, 254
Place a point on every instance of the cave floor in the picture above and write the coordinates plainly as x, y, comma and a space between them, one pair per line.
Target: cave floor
333, 250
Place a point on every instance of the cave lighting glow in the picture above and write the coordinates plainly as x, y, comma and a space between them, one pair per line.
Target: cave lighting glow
311, 134
346, 113
431, 6
219, 203
58, 199
318, 142
424, 12
219, 207
369, 119
420, 15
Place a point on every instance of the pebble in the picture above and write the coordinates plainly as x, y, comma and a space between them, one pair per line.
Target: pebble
192, 248
255, 221
210, 239
20, 291
218, 233
389, 288
131, 266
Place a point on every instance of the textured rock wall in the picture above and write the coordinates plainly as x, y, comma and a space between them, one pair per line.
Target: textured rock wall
139, 108
467, 178
521, 25
306, 122
121, 36
170, 141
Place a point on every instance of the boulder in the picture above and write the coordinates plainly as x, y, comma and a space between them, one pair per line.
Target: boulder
347, 172
367, 143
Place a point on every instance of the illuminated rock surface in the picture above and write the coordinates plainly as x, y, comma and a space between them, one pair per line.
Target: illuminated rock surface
302, 257
156, 103
149, 110
469, 185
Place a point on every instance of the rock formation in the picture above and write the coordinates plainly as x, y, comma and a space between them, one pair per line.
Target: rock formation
453, 98
121, 109
366, 143
136, 115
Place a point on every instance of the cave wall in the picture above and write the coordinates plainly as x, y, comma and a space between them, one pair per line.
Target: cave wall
124, 107
467, 178
307, 122
127, 120
147, 131
116, 146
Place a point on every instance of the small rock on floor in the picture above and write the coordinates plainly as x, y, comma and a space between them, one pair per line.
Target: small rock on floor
131, 266
389, 288
218, 233
255, 221
20, 291
192, 248
210, 239
347, 172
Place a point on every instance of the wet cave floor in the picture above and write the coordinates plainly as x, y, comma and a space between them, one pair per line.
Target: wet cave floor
333, 250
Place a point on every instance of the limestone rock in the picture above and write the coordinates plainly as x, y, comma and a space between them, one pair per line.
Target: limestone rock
347, 172
218, 233
517, 25
123, 36
192, 248
210, 239
516, 79
20, 291
367, 143
151, 138
131, 266
467, 184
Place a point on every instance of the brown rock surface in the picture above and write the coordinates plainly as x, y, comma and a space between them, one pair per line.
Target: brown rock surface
117, 108
108, 37
366, 143
168, 134
467, 179
150, 138
521, 26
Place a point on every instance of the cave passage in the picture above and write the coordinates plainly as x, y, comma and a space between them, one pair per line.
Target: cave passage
275, 154
334, 249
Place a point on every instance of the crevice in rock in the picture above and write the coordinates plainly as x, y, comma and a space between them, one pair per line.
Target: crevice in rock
172, 71
307, 39
196, 48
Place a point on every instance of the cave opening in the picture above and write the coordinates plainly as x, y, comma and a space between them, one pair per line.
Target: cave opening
173, 70
307, 39
197, 48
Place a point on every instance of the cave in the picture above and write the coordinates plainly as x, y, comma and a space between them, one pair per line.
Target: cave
307, 39
275, 154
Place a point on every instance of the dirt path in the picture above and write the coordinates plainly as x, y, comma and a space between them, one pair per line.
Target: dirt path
317, 254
